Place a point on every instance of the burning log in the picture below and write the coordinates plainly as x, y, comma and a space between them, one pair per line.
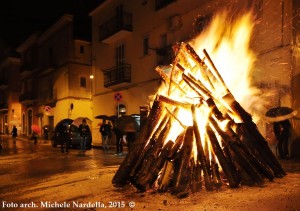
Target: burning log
166, 176
226, 163
121, 176
216, 174
196, 180
250, 125
152, 163
136, 167
211, 148
149, 177
201, 156
239, 155
183, 166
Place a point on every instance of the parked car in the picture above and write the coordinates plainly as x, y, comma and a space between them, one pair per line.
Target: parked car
66, 126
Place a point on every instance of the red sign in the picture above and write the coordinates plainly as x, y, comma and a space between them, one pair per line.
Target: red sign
47, 108
118, 96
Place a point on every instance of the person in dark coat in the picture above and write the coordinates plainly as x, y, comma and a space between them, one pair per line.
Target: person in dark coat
14, 133
282, 131
84, 131
105, 131
65, 139
119, 140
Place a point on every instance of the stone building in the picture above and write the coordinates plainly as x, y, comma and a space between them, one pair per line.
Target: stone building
130, 39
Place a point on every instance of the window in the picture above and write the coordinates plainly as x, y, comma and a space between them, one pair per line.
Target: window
83, 82
120, 55
82, 49
146, 46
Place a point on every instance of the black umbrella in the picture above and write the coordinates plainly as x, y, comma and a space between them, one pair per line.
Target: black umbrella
278, 114
104, 117
63, 125
127, 124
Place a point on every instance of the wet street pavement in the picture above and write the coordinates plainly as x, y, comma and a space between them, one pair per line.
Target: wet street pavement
41, 178
24, 165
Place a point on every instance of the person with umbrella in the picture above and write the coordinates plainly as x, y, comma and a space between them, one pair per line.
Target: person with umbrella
105, 131
282, 131
84, 131
281, 125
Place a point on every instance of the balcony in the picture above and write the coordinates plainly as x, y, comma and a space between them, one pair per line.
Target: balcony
159, 4
49, 68
117, 75
27, 97
48, 97
3, 84
115, 28
3, 107
27, 68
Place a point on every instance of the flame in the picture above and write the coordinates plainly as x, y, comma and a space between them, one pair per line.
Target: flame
228, 42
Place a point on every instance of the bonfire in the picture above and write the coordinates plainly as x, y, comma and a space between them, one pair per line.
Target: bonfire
197, 135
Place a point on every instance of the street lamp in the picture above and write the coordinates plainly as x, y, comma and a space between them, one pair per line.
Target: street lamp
91, 77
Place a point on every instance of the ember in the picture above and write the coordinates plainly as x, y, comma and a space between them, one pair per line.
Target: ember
196, 135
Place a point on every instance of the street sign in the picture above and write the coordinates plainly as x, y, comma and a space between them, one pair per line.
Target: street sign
47, 108
117, 96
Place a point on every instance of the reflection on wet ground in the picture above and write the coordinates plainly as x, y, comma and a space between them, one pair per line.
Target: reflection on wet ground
31, 160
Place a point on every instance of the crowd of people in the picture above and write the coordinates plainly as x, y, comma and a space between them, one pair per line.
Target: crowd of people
126, 136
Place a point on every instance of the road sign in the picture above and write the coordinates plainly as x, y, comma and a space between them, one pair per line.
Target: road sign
47, 108
117, 96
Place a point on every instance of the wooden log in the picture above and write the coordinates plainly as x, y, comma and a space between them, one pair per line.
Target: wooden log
260, 142
121, 177
216, 178
152, 174
168, 80
166, 177
240, 156
154, 152
173, 102
182, 171
137, 165
201, 155
178, 143
196, 178
205, 95
226, 163
262, 168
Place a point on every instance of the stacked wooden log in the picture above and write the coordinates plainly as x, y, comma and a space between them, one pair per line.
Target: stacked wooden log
221, 145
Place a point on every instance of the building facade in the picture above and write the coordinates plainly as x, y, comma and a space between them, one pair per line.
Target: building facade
55, 76
130, 39
10, 108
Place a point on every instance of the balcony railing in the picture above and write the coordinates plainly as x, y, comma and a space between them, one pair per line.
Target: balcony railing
27, 68
115, 27
117, 75
3, 107
27, 96
3, 84
48, 96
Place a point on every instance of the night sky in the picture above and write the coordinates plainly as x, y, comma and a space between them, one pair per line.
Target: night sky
20, 18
